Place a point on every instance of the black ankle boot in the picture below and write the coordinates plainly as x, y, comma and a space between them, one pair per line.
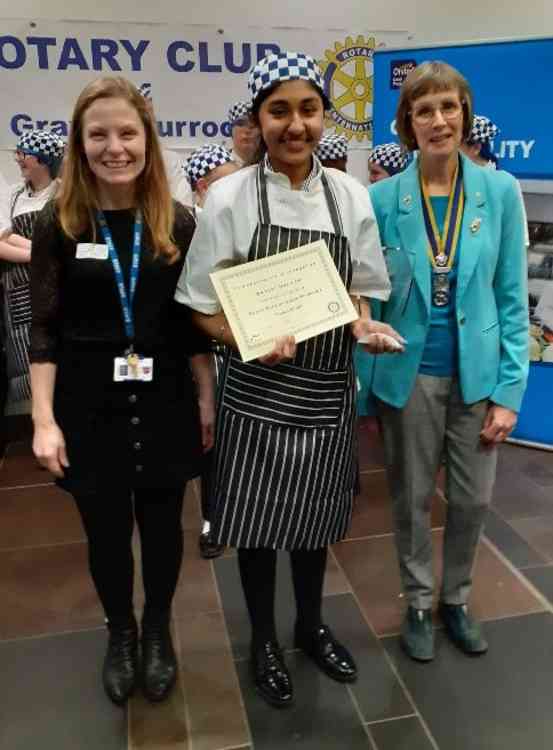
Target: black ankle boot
159, 663
121, 661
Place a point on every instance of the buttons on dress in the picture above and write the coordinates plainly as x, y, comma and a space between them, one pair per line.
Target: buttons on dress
133, 398
137, 446
139, 467
135, 420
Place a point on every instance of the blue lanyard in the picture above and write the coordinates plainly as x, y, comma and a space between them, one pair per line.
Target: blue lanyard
126, 299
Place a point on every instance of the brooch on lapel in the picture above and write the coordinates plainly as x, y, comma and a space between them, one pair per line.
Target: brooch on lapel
475, 225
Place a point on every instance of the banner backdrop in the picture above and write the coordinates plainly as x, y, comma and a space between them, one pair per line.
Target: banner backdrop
194, 74
509, 81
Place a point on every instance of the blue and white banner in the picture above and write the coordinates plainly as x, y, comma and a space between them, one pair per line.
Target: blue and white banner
194, 74
511, 82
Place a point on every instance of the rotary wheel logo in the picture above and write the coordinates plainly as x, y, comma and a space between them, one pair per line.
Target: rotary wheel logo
348, 75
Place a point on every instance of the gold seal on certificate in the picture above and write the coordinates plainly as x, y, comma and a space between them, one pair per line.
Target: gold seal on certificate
294, 293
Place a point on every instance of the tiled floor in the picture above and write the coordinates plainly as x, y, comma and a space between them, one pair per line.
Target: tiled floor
52, 636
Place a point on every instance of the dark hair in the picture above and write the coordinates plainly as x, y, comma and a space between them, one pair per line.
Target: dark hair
487, 153
427, 78
51, 163
256, 106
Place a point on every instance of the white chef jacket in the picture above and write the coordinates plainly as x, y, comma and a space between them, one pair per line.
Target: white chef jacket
230, 216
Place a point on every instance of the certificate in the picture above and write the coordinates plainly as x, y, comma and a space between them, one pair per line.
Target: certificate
294, 293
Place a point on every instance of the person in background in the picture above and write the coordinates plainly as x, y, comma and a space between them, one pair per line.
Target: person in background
204, 167
333, 152
386, 160
284, 465
38, 155
245, 134
478, 145
456, 390
122, 390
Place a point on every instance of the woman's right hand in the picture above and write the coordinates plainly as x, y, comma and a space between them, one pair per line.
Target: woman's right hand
285, 348
49, 448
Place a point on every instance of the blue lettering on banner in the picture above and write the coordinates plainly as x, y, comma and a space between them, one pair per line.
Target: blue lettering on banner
51, 53
19, 55
205, 67
72, 54
42, 43
230, 63
174, 62
22, 122
104, 54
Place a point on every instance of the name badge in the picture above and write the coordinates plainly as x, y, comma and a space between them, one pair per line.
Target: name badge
91, 251
140, 368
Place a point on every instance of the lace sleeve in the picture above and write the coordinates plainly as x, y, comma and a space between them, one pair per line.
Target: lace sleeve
46, 268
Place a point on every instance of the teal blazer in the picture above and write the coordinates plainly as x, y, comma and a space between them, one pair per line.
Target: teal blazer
492, 294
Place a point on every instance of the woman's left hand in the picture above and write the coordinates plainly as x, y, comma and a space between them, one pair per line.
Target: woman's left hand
498, 424
376, 337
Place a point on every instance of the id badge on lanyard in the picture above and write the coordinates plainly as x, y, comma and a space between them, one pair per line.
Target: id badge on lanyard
130, 366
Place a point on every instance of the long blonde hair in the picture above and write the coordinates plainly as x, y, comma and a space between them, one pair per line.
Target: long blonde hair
77, 199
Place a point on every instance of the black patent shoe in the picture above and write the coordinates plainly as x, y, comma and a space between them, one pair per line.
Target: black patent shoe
328, 654
209, 549
270, 675
121, 661
159, 662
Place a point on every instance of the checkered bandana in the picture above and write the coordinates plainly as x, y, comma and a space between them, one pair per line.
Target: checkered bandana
483, 130
238, 111
284, 66
390, 156
332, 147
203, 160
43, 144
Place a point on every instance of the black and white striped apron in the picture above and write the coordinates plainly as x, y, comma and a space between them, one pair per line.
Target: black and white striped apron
284, 445
17, 310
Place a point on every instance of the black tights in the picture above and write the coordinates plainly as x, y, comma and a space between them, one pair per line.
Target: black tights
258, 574
108, 519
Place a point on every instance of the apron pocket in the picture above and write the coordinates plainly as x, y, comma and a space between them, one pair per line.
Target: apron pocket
285, 394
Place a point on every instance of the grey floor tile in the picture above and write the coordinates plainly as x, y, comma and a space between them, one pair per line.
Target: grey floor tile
51, 695
501, 701
323, 716
378, 692
401, 734
542, 578
510, 543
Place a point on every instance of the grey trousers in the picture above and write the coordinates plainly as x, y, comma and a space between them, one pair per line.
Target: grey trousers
435, 423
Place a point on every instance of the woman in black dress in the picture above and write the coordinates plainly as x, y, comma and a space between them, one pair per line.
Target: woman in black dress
116, 410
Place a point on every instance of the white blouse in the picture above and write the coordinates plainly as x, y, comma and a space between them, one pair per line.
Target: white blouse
230, 216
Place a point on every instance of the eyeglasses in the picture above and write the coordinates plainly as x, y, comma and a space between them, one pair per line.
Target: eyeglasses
425, 115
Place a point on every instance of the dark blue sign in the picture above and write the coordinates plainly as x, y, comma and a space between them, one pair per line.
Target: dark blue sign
511, 82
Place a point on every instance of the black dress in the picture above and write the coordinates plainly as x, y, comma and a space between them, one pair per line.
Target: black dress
130, 434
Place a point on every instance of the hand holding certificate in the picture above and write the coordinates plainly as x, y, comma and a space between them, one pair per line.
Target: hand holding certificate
295, 293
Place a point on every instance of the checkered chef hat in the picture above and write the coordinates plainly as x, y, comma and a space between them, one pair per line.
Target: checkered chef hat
284, 66
238, 111
483, 130
390, 156
43, 144
203, 160
332, 147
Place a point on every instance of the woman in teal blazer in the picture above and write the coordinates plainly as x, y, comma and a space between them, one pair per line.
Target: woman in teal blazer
455, 391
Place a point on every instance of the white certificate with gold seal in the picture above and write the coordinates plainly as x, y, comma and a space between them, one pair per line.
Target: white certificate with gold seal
294, 293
